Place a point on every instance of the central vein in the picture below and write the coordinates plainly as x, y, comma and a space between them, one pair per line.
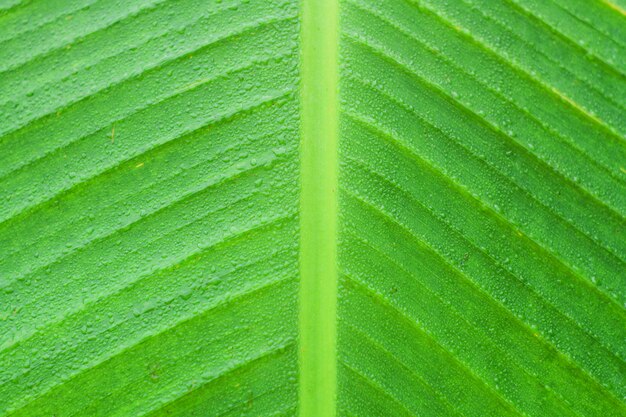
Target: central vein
318, 224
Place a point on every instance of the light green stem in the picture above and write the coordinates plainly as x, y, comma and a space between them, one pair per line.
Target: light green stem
318, 256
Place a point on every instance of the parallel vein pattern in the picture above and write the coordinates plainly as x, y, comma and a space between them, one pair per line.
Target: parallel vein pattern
482, 202
149, 208
344, 207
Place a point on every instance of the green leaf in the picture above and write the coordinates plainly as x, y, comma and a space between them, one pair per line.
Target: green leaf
316, 207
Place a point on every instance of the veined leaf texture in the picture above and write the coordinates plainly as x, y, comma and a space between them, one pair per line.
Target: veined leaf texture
312, 208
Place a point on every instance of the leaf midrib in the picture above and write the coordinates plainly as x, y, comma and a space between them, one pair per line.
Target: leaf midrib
318, 207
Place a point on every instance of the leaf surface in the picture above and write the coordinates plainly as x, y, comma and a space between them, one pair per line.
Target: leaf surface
315, 208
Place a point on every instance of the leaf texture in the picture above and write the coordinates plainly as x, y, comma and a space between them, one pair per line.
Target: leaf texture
149, 212
482, 202
319, 207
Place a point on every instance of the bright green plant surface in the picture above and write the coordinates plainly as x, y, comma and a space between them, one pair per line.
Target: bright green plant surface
275, 207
